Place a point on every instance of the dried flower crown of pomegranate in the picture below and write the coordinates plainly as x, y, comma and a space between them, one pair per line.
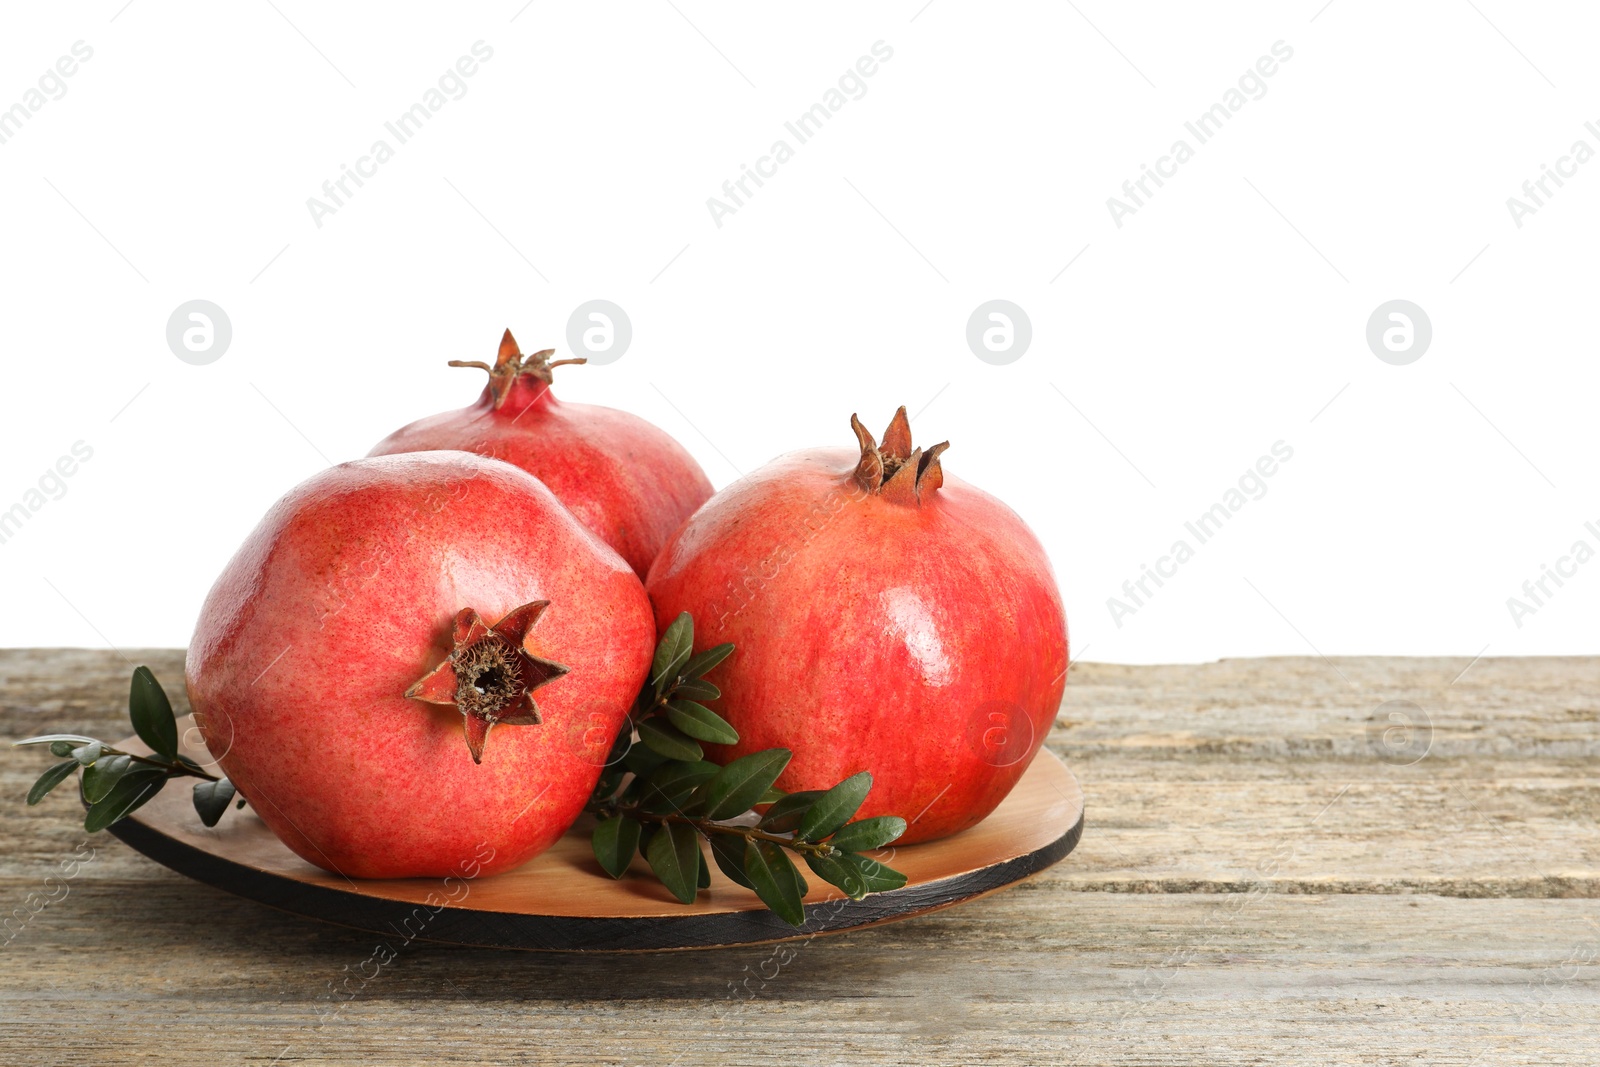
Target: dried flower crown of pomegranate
490, 674
511, 364
894, 470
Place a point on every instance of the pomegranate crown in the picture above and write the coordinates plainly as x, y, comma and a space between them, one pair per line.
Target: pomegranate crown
894, 470
511, 365
491, 673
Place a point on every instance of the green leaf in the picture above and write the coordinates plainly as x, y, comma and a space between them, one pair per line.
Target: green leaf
51, 739
102, 776
703, 879
50, 779
674, 854
672, 652
642, 759
667, 740
668, 789
151, 713
87, 754
706, 660
211, 799
835, 807
787, 811
701, 723
773, 876
837, 871
878, 877
856, 875
868, 833
131, 791
614, 843
62, 748
728, 851
771, 796
740, 785
695, 689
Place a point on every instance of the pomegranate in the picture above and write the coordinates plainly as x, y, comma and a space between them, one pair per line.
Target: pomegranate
885, 616
624, 478
382, 609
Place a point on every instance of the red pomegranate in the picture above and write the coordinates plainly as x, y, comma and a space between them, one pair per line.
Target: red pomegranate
624, 478
886, 617
384, 608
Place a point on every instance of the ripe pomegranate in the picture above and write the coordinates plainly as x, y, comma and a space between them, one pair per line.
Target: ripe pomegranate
381, 609
886, 617
624, 478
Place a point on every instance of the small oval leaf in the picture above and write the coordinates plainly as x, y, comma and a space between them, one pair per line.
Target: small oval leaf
151, 713
131, 791
838, 871
614, 842
102, 776
706, 660
728, 850
50, 779
211, 799
696, 689
642, 759
776, 881
668, 789
835, 807
787, 811
868, 833
857, 875
741, 784
701, 723
674, 854
667, 740
672, 651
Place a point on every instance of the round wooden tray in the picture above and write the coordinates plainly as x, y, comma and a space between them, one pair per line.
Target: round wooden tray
562, 901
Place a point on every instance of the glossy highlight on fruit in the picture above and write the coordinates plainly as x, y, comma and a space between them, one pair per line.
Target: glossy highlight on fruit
624, 478
887, 617
346, 648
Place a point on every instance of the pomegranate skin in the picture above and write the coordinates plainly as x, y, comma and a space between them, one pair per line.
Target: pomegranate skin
624, 478
343, 597
924, 642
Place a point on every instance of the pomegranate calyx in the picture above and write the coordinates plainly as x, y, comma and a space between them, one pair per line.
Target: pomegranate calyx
511, 364
490, 674
896, 471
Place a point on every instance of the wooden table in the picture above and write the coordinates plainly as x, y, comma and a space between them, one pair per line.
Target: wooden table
1265, 877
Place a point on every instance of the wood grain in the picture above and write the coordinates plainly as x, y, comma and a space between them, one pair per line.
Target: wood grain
1256, 884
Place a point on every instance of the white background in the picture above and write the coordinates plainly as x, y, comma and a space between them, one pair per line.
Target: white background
1227, 314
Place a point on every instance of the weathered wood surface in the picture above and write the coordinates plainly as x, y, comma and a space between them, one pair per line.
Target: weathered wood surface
1261, 881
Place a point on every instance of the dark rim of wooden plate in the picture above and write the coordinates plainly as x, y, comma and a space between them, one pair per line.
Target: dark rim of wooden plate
564, 933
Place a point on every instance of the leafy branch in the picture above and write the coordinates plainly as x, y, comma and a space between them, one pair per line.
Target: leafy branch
660, 796
114, 783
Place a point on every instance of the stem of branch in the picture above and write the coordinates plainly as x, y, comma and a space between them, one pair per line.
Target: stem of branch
709, 827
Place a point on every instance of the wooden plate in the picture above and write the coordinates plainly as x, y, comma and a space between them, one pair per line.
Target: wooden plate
561, 901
